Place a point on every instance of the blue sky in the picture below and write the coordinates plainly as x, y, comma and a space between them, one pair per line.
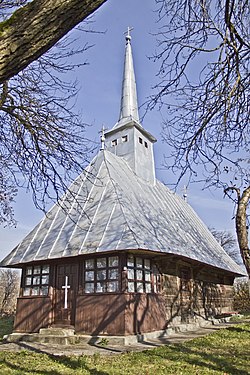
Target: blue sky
99, 101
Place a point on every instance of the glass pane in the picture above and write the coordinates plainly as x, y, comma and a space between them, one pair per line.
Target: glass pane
139, 262
44, 290
155, 283
113, 274
148, 288
89, 288
139, 287
147, 264
131, 274
28, 270
90, 264
139, 274
101, 287
101, 263
130, 261
45, 279
112, 286
35, 291
36, 280
113, 261
89, 275
45, 269
101, 275
147, 276
26, 292
37, 269
155, 269
28, 280
131, 287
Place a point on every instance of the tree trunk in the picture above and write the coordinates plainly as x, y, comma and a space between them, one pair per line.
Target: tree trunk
35, 28
242, 227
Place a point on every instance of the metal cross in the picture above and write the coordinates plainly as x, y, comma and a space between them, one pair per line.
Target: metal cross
66, 287
128, 32
102, 138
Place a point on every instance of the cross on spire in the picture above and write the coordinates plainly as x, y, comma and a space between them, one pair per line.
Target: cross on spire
128, 36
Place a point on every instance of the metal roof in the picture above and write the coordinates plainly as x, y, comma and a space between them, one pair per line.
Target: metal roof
129, 105
119, 211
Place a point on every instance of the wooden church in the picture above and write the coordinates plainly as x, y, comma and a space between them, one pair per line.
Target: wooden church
134, 259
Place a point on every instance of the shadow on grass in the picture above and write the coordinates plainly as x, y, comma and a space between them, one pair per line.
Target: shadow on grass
27, 362
197, 357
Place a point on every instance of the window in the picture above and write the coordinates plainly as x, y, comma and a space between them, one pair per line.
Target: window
125, 138
140, 140
36, 281
146, 144
114, 142
101, 275
143, 276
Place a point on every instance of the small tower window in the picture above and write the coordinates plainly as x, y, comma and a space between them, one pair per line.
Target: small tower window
114, 142
140, 140
146, 144
125, 138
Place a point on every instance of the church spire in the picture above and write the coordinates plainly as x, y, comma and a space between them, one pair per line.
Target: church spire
129, 106
128, 139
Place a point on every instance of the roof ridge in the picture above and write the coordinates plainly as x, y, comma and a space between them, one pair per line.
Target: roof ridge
118, 199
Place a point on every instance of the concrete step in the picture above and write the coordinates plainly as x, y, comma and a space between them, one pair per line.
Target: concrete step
66, 336
57, 331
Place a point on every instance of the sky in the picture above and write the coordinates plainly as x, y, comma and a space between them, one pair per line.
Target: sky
99, 101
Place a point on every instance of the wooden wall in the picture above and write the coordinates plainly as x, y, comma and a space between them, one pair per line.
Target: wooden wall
189, 292
204, 295
119, 314
32, 314
144, 313
100, 314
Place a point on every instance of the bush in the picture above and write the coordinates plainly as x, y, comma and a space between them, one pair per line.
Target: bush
242, 297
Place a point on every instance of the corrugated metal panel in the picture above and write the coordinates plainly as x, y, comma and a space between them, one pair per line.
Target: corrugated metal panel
120, 211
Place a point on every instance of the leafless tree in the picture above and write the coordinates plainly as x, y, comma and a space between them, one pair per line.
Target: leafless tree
43, 145
203, 91
242, 222
229, 243
9, 289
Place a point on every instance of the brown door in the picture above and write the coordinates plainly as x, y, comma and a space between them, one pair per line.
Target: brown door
65, 294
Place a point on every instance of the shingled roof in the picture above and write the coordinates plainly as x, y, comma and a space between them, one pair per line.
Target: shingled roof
120, 211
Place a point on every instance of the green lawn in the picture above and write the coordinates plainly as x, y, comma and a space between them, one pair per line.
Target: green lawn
6, 326
225, 352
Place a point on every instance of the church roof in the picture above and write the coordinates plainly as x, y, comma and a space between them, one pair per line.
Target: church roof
119, 211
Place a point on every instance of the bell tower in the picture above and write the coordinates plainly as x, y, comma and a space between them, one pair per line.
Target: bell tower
128, 138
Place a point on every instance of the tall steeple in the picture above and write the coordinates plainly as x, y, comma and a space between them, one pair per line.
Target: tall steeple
129, 106
128, 139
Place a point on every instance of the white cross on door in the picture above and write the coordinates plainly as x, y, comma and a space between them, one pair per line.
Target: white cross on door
66, 287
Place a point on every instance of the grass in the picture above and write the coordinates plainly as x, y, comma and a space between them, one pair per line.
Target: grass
244, 316
6, 326
225, 352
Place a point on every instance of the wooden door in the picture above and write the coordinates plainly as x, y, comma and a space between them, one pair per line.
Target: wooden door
65, 294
